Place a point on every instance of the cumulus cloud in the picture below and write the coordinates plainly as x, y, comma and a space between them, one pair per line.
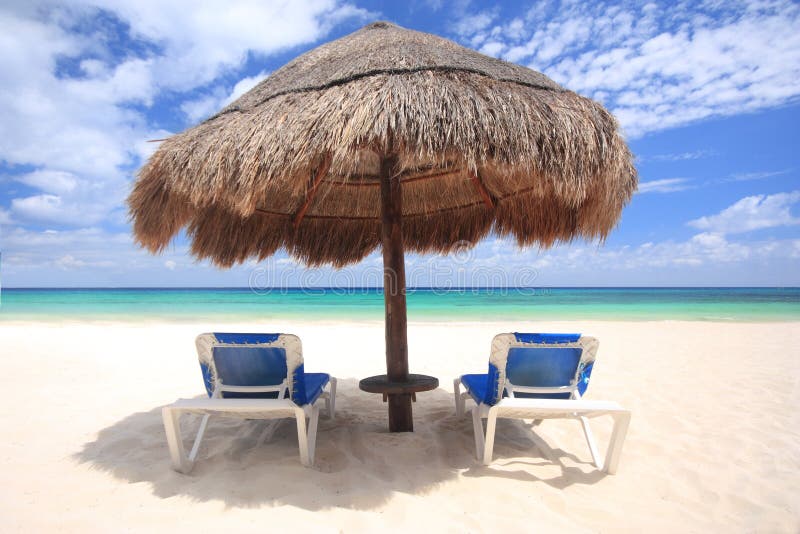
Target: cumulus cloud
73, 131
204, 106
87, 256
703, 248
752, 213
705, 258
244, 85
51, 181
200, 41
76, 110
656, 71
473, 25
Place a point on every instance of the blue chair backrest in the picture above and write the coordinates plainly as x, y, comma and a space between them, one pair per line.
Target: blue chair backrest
245, 365
544, 366
539, 360
252, 359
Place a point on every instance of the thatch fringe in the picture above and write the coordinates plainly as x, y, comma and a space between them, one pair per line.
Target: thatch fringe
552, 162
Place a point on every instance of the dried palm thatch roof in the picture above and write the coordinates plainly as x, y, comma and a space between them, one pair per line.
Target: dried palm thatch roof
483, 145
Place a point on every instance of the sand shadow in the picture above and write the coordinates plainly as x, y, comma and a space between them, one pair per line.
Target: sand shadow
359, 464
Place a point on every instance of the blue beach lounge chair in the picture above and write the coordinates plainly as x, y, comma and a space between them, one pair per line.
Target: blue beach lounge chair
252, 376
539, 376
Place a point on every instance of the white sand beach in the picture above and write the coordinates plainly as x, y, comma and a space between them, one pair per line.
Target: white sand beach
713, 443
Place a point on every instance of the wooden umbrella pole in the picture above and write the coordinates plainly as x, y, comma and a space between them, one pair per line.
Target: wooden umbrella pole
394, 291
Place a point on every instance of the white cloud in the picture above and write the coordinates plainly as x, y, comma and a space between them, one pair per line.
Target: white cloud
200, 41
93, 257
87, 256
752, 213
208, 104
472, 24
64, 257
50, 181
72, 130
492, 48
759, 175
66, 198
244, 85
202, 107
84, 130
705, 259
652, 70
681, 156
43, 207
70, 262
665, 185
434, 5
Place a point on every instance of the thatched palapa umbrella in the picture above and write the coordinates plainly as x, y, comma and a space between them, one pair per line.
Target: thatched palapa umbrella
394, 138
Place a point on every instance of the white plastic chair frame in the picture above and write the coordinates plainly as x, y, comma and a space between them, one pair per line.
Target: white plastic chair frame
278, 409
575, 407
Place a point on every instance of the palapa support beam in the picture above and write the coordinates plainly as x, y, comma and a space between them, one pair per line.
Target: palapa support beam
322, 172
487, 198
394, 293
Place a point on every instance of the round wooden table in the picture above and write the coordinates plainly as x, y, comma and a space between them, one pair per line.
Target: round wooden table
415, 384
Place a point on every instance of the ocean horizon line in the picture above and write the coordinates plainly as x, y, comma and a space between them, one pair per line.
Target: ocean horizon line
413, 288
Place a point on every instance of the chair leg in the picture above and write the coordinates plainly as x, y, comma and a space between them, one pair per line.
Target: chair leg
302, 437
587, 431
484, 446
621, 422
331, 404
491, 425
307, 435
477, 428
172, 427
313, 421
457, 395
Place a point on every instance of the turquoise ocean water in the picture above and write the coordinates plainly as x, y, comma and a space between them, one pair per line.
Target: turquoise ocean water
243, 304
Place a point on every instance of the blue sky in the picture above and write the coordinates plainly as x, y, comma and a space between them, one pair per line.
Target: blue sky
708, 95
